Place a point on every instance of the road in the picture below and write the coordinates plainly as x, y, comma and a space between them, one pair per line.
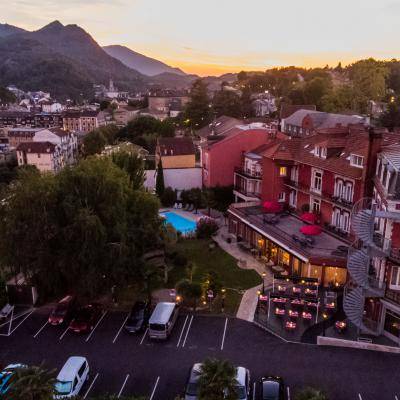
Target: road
132, 364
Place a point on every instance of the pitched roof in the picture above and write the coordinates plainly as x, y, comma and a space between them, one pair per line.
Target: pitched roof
175, 146
36, 147
59, 132
220, 126
288, 109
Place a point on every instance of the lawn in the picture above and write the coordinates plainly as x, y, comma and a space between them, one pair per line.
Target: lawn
233, 279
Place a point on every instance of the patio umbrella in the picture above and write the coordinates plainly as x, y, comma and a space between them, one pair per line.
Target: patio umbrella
311, 230
308, 217
272, 207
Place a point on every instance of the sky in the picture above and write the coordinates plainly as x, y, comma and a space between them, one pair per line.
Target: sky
211, 37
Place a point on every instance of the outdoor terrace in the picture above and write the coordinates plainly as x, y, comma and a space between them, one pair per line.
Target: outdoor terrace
324, 246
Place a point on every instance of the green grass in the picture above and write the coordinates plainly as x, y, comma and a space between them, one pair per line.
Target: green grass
233, 279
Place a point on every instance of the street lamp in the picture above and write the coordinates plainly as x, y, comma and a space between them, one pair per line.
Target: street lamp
263, 279
223, 300
258, 301
325, 317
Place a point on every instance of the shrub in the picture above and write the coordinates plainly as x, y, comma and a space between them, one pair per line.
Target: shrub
206, 228
180, 260
309, 393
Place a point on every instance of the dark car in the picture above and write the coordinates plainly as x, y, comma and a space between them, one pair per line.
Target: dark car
138, 317
86, 318
272, 388
63, 311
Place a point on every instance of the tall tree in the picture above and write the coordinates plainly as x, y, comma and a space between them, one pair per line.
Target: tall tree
32, 383
226, 102
6, 97
197, 112
133, 165
160, 186
217, 380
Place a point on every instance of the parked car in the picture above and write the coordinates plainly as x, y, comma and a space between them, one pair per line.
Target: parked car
272, 388
191, 390
6, 377
162, 320
63, 311
71, 378
86, 318
138, 317
243, 387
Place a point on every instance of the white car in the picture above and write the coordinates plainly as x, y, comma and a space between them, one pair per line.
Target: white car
71, 378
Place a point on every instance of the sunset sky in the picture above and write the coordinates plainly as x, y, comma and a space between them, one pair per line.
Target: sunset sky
217, 36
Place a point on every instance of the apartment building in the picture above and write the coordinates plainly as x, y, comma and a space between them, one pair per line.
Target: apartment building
83, 121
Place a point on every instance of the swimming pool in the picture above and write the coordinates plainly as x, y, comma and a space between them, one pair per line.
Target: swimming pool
180, 223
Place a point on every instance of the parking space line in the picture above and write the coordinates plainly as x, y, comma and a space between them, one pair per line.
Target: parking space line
187, 332
14, 318
120, 329
123, 385
98, 322
144, 335
64, 333
91, 385
288, 392
395, 397
40, 330
183, 328
223, 336
22, 321
359, 396
155, 388
254, 391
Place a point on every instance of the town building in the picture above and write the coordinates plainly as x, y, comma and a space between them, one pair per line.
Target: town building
175, 153
83, 121
45, 156
166, 103
217, 128
305, 122
263, 104
17, 136
220, 154
30, 119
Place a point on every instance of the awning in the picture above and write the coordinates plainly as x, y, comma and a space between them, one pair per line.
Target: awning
272, 207
309, 217
311, 230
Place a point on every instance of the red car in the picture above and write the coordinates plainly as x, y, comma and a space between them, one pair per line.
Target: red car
86, 318
63, 311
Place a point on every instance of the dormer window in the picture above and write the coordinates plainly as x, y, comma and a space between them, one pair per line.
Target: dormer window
320, 152
356, 160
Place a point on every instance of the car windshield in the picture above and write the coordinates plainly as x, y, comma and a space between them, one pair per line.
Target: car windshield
191, 389
157, 327
270, 390
63, 387
60, 309
241, 392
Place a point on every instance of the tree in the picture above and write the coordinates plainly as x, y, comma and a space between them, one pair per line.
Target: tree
205, 228
85, 224
197, 112
226, 102
391, 117
246, 106
6, 97
32, 383
190, 291
222, 197
94, 143
104, 105
168, 198
133, 165
339, 99
140, 126
160, 186
217, 380
316, 89
310, 394
166, 128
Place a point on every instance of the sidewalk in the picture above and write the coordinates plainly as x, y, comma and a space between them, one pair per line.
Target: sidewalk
248, 304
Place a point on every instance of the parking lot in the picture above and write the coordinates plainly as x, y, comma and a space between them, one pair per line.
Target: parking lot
124, 364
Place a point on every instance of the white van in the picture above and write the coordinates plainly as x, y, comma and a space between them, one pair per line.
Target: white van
162, 320
71, 378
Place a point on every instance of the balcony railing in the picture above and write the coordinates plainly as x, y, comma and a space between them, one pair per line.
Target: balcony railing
247, 193
382, 243
393, 295
248, 173
395, 254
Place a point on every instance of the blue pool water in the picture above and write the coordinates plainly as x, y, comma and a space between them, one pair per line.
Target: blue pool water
180, 223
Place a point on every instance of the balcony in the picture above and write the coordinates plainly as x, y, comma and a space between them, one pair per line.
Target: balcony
382, 243
246, 173
393, 295
246, 193
395, 254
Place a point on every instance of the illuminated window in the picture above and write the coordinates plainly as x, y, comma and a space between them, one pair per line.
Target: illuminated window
282, 171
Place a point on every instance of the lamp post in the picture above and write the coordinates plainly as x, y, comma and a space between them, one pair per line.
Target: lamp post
258, 301
263, 281
223, 290
325, 317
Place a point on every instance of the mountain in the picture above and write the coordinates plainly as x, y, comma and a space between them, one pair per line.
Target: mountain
64, 60
6, 30
145, 65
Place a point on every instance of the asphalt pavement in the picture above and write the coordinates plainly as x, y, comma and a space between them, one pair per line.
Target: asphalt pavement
125, 364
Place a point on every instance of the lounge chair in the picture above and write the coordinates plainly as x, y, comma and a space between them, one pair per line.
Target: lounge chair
180, 205
176, 205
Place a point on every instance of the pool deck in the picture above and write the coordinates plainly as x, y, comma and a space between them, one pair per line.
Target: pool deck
185, 214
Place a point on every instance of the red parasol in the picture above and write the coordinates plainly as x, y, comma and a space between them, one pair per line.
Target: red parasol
272, 207
311, 230
308, 217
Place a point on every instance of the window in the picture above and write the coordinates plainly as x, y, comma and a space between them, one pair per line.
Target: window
345, 222
316, 206
320, 152
316, 181
356, 161
294, 174
395, 278
282, 196
293, 198
282, 171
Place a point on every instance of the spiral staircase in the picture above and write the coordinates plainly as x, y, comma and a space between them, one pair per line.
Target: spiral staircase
364, 283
